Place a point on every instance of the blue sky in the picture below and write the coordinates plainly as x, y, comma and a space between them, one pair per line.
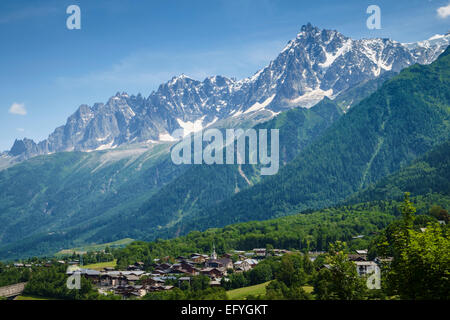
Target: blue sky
47, 71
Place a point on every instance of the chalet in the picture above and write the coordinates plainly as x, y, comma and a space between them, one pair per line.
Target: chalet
251, 262
240, 266
155, 287
131, 278
106, 280
219, 263
176, 271
198, 259
176, 266
119, 278
113, 280
213, 272
92, 275
130, 291
160, 272
164, 266
140, 290
357, 257
189, 269
137, 266
260, 252
153, 281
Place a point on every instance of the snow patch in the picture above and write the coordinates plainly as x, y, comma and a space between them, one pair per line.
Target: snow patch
166, 137
259, 106
310, 98
436, 36
106, 146
191, 127
330, 58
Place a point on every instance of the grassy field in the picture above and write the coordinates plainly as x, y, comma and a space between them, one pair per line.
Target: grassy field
95, 247
243, 293
101, 265
259, 289
31, 298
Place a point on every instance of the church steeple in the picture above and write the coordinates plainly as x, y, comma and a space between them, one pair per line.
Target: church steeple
214, 254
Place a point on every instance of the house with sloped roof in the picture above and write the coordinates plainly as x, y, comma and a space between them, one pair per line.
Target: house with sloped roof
241, 266
226, 263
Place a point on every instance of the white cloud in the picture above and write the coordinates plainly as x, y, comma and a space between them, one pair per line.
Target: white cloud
18, 108
444, 12
20, 129
26, 13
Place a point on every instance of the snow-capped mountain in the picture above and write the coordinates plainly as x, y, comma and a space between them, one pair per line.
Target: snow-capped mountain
317, 63
427, 51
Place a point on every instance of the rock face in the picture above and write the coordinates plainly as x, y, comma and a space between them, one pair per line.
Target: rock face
316, 64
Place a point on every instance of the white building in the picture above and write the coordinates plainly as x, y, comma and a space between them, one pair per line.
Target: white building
367, 267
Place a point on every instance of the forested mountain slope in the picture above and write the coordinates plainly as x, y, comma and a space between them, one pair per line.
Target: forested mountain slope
401, 121
69, 201
428, 174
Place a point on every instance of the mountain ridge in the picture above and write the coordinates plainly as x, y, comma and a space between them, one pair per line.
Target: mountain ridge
317, 63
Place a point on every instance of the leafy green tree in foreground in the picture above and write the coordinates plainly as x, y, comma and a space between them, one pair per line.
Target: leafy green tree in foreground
421, 265
278, 290
339, 280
